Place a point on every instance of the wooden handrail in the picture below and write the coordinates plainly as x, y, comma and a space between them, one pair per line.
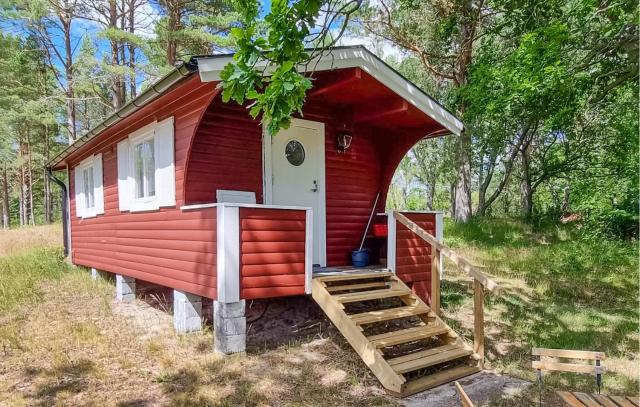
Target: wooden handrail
457, 259
480, 281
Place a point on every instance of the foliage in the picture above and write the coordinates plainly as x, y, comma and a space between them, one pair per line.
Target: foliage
559, 290
288, 28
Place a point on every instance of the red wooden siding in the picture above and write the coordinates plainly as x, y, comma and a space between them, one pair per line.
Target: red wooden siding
413, 255
352, 180
167, 247
226, 154
272, 252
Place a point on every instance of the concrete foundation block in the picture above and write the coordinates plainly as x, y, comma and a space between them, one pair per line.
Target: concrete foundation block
229, 327
97, 274
125, 288
187, 312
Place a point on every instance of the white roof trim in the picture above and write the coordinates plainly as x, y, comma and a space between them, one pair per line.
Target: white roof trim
355, 57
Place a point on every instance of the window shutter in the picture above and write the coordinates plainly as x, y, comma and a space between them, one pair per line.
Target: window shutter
165, 164
77, 189
124, 187
98, 190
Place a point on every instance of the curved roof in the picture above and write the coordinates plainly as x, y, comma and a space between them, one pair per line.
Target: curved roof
210, 66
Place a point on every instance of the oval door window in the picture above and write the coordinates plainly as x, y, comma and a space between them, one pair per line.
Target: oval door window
294, 151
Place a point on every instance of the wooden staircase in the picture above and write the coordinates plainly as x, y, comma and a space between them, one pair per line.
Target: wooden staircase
404, 343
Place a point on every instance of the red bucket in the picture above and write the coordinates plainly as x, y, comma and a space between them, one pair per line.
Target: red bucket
380, 230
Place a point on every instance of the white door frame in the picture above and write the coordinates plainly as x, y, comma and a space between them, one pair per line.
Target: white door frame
267, 179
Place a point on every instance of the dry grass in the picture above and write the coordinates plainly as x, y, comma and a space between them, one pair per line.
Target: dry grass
75, 346
19, 240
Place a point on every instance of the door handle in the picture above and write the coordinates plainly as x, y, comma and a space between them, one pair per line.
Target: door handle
315, 186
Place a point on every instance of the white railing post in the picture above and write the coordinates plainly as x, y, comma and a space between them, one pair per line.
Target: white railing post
440, 238
228, 253
308, 250
391, 241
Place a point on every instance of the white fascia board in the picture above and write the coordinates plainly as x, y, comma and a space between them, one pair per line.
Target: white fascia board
356, 57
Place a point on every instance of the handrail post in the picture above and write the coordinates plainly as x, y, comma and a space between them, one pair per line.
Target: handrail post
435, 280
478, 320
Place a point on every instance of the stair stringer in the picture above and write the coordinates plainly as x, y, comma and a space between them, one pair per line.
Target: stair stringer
369, 354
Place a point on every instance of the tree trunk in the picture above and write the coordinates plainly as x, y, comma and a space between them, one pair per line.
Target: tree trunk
132, 50
431, 191
565, 200
65, 19
526, 189
32, 218
173, 25
462, 207
6, 219
48, 204
452, 195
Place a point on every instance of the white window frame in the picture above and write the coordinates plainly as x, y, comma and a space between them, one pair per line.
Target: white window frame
164, 178
82, 211
147, 202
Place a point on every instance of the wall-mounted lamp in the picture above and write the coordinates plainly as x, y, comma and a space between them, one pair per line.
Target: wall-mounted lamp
343, 140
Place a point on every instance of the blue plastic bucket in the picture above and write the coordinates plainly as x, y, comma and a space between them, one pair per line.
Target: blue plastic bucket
360, 258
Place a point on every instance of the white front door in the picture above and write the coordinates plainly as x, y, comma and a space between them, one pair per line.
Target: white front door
297, 175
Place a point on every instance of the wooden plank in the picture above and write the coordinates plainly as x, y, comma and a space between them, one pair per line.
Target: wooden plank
371, 295
432, 360
417, 355
407, 335
478, 321
586, 399
436, 379
566, 367
604, 400
567, 353
388, 314
621, 401
634, 400
371, 356
570, 399
353, 276
464, 399
345, 287
459, 261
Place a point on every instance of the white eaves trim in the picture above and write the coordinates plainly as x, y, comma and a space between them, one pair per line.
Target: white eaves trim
354, 57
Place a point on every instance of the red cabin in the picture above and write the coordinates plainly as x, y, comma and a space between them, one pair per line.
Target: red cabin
180, 189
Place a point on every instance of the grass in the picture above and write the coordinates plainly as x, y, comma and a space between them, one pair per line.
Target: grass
65, 342
24, 239
560, 291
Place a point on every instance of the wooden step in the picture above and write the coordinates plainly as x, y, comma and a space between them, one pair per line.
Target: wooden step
430, 357
372, 295
354, 276
388, 314
407, 335
357, 286
436, 379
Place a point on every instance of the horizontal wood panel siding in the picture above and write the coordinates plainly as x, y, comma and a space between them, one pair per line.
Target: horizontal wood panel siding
168, 247
226, 154
272, 252
413, 255
352, 179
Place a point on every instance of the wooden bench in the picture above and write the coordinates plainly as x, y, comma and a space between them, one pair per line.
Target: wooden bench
550, 359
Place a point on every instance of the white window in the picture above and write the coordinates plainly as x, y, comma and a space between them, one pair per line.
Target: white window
146, 168
89, 195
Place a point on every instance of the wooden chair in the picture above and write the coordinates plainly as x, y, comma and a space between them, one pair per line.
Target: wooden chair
464, 399
549, 360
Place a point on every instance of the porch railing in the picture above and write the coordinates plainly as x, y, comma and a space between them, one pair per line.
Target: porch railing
261, 250
480, 280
